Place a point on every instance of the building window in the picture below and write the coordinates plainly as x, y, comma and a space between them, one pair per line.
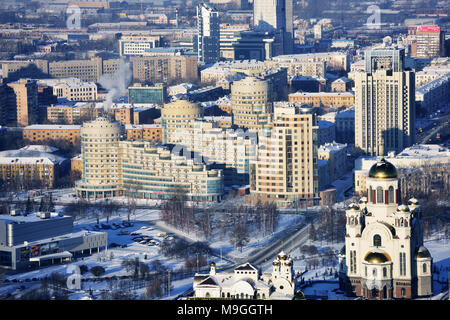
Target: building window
379, 195
424, 268
403, 292
384, 272
377, 240
391, 195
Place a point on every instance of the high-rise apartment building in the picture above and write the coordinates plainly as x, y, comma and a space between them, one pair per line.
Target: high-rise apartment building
26, 96
275, 16
385, 102
252, 102
208, 24
286, 169
100, 164
112, 166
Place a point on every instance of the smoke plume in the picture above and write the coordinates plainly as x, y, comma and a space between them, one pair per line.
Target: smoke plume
117, 83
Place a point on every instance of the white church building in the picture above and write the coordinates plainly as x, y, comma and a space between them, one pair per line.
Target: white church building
384, 256
246, 282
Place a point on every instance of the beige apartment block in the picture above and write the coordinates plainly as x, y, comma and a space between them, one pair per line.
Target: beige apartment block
165, 69
150, 172
26, 100
324, 99
286, 169
175, 118
43, 133
86, 70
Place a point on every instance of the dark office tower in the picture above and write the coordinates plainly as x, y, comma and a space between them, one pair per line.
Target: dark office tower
208, 24
275, 16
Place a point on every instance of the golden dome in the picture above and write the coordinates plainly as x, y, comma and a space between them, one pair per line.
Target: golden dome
282, 256
376, 257
383, 170
423, 252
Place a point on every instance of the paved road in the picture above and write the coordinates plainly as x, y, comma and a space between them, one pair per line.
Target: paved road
425, 136
288, 239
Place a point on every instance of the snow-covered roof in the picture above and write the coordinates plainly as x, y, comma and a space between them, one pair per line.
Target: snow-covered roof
322, 94
40, 148
332, 147
53, 127
29, 157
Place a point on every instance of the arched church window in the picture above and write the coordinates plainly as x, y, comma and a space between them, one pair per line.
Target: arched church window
374, 293
384, 272
377, 240
391, 198
374, 272
207, 295
370, 194
424, 268
379, 195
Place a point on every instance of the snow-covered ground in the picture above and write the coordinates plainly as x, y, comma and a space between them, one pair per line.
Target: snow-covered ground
146, 223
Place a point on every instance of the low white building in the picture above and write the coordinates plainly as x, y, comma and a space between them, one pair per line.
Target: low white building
73, 89
246, 282
414, 157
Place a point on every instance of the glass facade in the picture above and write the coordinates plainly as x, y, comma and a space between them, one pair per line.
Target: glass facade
156, 95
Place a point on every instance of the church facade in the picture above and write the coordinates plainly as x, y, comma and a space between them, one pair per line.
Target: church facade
246, 282
384, 256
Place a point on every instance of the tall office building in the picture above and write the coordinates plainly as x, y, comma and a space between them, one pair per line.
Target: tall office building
208, 24
275, 15
385, 102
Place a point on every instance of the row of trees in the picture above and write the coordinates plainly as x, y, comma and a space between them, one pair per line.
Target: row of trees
238, 221
330, 226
